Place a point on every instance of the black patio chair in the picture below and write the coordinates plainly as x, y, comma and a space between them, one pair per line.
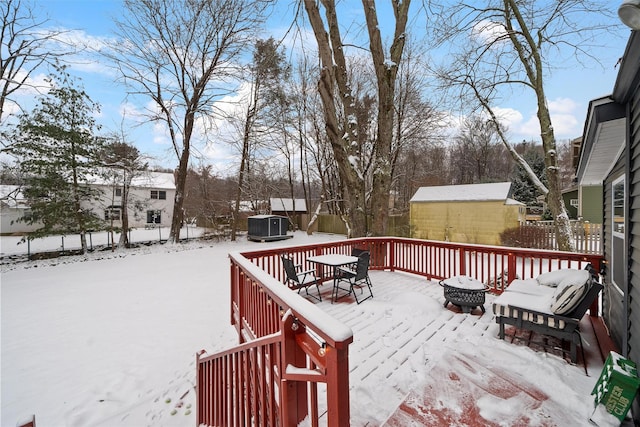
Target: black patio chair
357, 252
298, 280
358, 278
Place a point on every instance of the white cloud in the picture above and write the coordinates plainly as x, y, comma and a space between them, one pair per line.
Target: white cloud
510, 117
562, 105
160, 135
488, 32
525, 126
128, 111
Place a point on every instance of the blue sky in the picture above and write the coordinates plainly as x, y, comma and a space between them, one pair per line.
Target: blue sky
568, 90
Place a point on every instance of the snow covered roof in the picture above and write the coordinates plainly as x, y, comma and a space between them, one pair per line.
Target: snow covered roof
162, 180
279, 204
155, 180
465, 192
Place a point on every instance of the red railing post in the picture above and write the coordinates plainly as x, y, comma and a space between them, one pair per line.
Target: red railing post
234, 289
391, 259
462, 260
594, 310
338, 409
294, 405
511, 268
199, 396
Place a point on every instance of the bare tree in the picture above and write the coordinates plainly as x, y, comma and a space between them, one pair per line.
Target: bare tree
25, 45
252, 127
418, 133
183, 56
507, 44
475, 151
123, 163
340, 107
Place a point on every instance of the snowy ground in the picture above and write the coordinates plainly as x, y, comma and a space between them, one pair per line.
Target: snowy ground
110, 339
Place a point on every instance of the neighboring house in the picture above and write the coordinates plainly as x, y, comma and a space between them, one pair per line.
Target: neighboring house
12, 207
150, 202
294, 209
151, 198
571, 201
473, 213
605, 124
611, 160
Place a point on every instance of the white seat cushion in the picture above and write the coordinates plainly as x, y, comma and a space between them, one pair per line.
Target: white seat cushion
553, 278
530, 287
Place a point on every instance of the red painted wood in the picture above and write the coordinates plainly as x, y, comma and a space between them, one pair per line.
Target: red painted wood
239, 386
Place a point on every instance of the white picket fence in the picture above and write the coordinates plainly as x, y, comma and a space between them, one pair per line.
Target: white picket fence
587, 236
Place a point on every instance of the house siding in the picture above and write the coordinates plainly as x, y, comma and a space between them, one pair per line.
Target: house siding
139, 203
634, 224
572, 211
619, 126
591, 209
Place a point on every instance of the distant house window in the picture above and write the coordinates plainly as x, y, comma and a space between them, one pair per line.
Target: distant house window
118, 192
574, 203
112, 213
154, 217
159, 194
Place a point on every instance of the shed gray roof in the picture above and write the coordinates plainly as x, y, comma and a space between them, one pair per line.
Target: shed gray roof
466, 192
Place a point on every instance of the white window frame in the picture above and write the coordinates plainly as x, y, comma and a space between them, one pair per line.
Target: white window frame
109, 213
615, 232
159, 194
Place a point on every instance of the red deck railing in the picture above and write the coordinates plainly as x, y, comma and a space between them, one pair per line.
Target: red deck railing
289, 346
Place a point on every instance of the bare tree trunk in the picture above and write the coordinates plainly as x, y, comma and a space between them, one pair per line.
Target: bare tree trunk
336, 94
533, 65
178, 202
236, 211
386, 73
123, 242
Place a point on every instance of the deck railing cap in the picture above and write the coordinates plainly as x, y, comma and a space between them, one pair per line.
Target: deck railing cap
307, 311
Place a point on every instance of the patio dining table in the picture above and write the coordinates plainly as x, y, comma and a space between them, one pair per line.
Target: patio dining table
335, 261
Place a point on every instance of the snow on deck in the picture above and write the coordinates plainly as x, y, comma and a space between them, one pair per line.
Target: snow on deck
404, 336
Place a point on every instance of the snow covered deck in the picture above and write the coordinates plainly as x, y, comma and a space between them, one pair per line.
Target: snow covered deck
414, 362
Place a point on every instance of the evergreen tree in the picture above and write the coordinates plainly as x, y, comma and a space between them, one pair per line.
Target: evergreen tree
523, 188
58, 152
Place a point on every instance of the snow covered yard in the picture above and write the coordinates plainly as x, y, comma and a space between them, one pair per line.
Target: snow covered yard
111, 340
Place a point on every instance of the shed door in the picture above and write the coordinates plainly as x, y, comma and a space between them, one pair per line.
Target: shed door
274, 227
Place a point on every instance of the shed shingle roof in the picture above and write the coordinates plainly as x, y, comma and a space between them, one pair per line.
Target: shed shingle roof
465, 192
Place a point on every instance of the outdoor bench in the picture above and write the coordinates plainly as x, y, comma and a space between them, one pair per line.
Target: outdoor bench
551, 304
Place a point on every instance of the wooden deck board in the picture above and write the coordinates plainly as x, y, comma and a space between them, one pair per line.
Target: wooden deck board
405, 337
